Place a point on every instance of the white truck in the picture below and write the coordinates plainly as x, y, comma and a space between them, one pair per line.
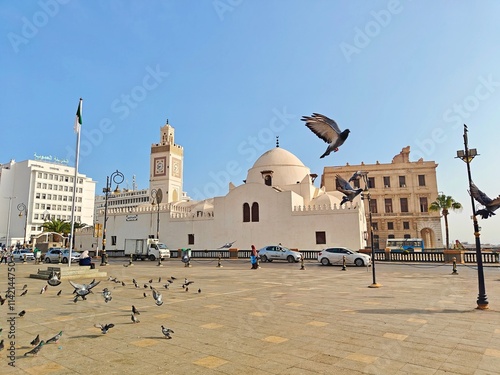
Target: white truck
143, 248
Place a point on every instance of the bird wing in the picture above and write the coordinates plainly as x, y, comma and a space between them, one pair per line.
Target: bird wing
108, 326
479, 196
342, 185
328, 120
155, 294
93, 284
76, 286
328, 132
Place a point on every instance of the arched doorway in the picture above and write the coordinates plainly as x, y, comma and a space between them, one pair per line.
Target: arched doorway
429, 237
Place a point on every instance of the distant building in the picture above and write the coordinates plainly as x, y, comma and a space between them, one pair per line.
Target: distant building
46, 191
401, 192
278, 203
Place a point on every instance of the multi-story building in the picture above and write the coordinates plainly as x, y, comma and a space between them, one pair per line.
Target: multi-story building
33, 191
400, 192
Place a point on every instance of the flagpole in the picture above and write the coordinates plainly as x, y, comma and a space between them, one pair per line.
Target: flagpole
78, 124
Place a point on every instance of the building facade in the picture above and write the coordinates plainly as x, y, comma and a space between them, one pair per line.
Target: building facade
34, 191
401, 192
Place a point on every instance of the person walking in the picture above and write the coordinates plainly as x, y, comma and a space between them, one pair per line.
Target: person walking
253, 258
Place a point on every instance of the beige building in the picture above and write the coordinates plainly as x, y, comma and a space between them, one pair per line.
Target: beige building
401, 192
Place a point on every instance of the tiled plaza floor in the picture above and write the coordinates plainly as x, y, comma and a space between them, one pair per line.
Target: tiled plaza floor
275, 320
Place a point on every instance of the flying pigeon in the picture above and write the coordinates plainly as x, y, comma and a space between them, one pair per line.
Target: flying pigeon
349, 192
328, 130
22, 313
55, 338
166, 332
357, 175
36, 349
82, 290
227, 245
134, 319
104, 328
24, 293
490, 205
54, 279
135, 311
107, 295
157, 297
35, 341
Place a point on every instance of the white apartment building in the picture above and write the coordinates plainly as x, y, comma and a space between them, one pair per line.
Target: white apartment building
33, 191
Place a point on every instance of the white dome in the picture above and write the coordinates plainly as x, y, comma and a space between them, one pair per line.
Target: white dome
286, 168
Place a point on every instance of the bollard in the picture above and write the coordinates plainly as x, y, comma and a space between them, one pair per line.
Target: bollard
219, 265
302, 267
344, 268
159, 262
454, 266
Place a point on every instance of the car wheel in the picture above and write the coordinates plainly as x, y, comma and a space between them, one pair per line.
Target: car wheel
325, 261
359, 262
152, 257
65, 260
134, 257
47, 260
263, 259
290, 259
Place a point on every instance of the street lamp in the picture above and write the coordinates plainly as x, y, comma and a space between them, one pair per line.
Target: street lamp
21, 207
467, 155
366, 194
157, 196
116, 177
7, 239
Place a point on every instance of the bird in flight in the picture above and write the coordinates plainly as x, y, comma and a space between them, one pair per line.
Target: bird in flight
345, 187
490, 205
328, 130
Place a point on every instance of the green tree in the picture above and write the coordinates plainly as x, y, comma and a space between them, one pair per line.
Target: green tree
444, 203
63, 228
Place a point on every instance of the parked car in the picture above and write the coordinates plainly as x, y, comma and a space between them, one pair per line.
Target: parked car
334, 255
18, 254
52, 256
270, 253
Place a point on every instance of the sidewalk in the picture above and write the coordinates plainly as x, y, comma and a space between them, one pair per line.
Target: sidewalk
275, 320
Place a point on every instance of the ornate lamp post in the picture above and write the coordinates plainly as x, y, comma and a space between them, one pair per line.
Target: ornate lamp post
116, 177
23, 210
467, 155
157, 196
366, 194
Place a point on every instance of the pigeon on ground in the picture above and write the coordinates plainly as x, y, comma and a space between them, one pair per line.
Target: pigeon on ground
166, 286
199, 290
59, 293
357, 175
227, 245
25, 286
104, 328
82, 290
2, 300
170, 281
490, 205
159, 279
35, 341
134, 319
146, 286
173, 278
145, 294
54, 279
123, 284
166, 332
22, 313
107, 295
150, 281
328, 130
55, 339
43, 289
24, 293
157, 297
135, 311
1, 345
136, 285
349, 192
36, 349
186, 283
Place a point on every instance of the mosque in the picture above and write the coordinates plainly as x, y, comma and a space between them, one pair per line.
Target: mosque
277, 203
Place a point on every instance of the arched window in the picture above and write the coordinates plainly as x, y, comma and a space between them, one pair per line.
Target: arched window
246, 212
255, 211
268, 180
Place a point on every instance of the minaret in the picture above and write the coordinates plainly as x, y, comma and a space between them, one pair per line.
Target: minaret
166, 163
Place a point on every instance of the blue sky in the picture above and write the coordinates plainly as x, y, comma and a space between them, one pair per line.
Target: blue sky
230, 75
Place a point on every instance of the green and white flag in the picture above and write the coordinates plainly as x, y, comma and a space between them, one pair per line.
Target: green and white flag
78, 119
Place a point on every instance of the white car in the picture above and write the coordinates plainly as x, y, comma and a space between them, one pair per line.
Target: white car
18, 254
270, 253
334, 255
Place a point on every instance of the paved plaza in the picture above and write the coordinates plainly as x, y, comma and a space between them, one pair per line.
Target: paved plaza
275, 320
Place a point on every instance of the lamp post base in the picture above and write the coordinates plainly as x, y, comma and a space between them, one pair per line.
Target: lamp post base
375, 285
482, 306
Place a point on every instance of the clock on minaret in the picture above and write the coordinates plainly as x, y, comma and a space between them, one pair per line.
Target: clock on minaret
176, 168
159, 166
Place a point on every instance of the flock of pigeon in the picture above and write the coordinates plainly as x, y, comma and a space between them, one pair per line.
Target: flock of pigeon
328, 130
81, 291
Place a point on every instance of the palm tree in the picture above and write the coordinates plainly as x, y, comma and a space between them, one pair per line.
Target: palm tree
63, 228
445, 203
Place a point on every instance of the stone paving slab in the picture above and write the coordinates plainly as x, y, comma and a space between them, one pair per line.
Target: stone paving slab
274, 320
